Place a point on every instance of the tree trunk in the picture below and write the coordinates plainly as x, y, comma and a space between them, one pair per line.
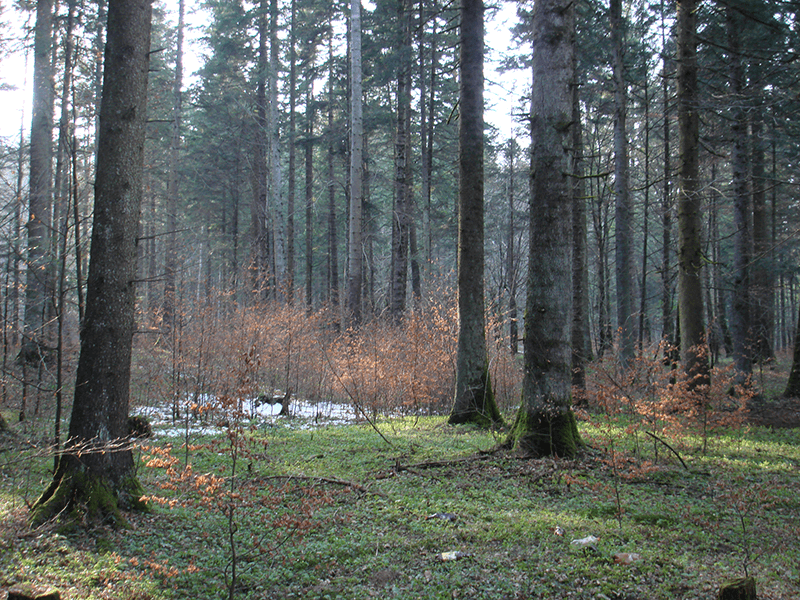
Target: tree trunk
401, 218
290, 192
474, 397
356, 262
690, 250
580, 287
740, 313
545, 424
763, 275
333, 251
276, 208
258, 212
667, 330
309, 197
97, 470
37, 289
511, 254
171, 252
623, 210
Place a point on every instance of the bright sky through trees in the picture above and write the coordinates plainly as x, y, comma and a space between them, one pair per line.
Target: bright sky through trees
503, 90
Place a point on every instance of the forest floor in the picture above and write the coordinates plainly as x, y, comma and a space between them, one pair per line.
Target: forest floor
414, 508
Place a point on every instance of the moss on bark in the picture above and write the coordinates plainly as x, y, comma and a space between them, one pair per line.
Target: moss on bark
546, 433
79, 496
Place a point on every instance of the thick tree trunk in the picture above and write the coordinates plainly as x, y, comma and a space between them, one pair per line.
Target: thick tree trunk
97, 470
690, 250
474, 398
545, 424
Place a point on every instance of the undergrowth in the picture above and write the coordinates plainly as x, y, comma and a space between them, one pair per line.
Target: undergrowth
376, 519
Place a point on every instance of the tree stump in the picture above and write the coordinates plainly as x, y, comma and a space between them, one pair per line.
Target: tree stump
27, 591
738, 589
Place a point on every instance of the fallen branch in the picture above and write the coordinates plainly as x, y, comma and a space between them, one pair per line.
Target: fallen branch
670, 448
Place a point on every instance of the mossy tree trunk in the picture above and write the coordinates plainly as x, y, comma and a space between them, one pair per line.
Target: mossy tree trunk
474, 399
545, 424
96, 472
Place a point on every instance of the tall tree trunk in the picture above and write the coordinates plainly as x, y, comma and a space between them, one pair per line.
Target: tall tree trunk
333, 250
309, 197
401, 219
511, 255
667, 329
276, 209
171, 252
690, 252
355, 262
40, 187
97, 471
763, 274
290, 193
645, 220
258, 212
580, 281
545, 424
740, 313
426, 154
62, 213
474, 397
623, 210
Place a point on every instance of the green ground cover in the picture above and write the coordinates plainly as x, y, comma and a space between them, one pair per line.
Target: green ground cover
341, 512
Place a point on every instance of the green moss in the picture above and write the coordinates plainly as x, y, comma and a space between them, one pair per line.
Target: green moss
79, 496
546, 433
484, 411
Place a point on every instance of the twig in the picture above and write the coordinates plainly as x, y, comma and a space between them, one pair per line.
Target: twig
670, 448
332, 480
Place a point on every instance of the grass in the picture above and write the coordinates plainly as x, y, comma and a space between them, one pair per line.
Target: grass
371, 530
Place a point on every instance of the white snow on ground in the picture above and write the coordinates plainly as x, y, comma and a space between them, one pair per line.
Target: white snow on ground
303, 415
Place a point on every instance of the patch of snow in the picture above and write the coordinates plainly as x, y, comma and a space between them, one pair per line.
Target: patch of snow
211, 417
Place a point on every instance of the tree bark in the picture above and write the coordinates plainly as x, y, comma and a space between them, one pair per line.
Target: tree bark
742, 241
276, 209
623, 210
690, 252
258, 213
97, 470
171, 252
401, 217
356, 262
37, 289
474, 397
290, 192
545, 424
580, 282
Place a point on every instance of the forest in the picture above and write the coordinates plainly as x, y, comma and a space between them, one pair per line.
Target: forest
291, 310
